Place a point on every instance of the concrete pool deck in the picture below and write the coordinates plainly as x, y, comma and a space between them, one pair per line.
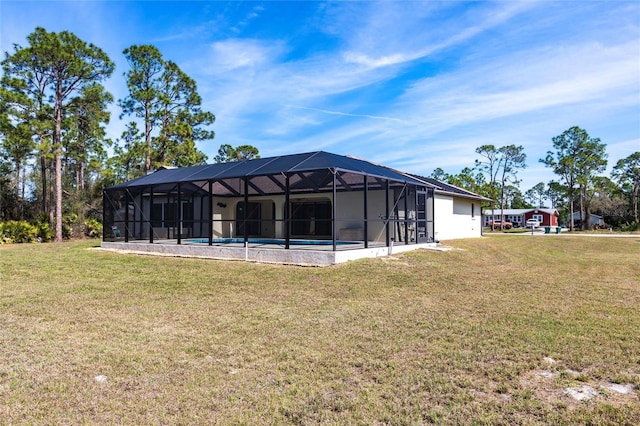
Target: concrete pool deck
305, 255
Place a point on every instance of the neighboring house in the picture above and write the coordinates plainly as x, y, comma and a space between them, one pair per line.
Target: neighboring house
594, 220
546, 217
313, 199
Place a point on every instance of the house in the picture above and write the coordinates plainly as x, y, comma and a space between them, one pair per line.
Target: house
594, 220
315, 207
519, 217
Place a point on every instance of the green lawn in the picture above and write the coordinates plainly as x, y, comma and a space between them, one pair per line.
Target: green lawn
496, 331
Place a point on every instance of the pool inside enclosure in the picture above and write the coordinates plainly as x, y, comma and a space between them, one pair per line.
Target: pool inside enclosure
319, 197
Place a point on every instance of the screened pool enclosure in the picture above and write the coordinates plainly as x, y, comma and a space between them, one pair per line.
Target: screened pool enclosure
318, 198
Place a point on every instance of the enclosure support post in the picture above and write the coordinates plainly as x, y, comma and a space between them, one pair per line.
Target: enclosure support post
287, 213
431, 208
366, 212
196, 226
417, 200
104, 216
210, 212
406, 214
151, 214
179, 215
386, 206
334, 210
139, 223
246, 210
126, 216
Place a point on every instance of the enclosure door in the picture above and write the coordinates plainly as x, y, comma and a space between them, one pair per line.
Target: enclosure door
421, 216
311, 219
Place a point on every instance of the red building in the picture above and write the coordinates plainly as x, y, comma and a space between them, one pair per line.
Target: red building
518, 217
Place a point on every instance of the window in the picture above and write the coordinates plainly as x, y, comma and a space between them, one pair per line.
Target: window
165, 215
156, 215
515, 218
311, 218
170, 215
187, 213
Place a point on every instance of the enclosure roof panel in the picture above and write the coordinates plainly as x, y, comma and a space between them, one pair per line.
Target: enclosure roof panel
295, 163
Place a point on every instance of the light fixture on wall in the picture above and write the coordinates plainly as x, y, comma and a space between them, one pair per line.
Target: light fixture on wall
221, 205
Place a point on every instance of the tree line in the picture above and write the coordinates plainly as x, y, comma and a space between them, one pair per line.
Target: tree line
53, 144
578, 160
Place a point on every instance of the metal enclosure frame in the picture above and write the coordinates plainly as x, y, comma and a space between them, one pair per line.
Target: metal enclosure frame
194, 202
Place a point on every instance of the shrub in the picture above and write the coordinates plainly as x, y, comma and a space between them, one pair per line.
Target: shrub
44, 231
17, 232
71, 226
92, 228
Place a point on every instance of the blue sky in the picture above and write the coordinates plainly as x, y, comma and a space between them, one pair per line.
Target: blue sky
411, 84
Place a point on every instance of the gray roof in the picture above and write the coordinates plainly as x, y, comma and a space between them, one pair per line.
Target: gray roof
295, 163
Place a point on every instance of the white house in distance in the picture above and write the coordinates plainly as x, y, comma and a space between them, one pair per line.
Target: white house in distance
519, 217
310, 208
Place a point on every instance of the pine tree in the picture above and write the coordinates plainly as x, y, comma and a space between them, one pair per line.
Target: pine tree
167, 101
56, 66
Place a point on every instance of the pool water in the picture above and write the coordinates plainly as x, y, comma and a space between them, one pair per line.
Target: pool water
269, 241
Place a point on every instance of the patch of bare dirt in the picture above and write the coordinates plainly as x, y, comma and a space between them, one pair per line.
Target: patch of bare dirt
395, 260
554, 385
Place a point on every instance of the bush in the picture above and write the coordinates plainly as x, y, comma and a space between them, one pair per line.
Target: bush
71, 226
40, 230
15, 231
92, 228
44, 231
630, 227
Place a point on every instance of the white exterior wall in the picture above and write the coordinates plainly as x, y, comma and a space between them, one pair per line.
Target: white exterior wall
453, 220
350, 212
451, 216
350, 225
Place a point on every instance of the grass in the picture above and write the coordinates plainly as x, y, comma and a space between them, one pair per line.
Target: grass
493, 332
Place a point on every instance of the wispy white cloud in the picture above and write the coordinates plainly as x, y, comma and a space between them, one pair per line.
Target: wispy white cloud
229, 55
253, 14
250, 76
527, 82
346, 114
395, 34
